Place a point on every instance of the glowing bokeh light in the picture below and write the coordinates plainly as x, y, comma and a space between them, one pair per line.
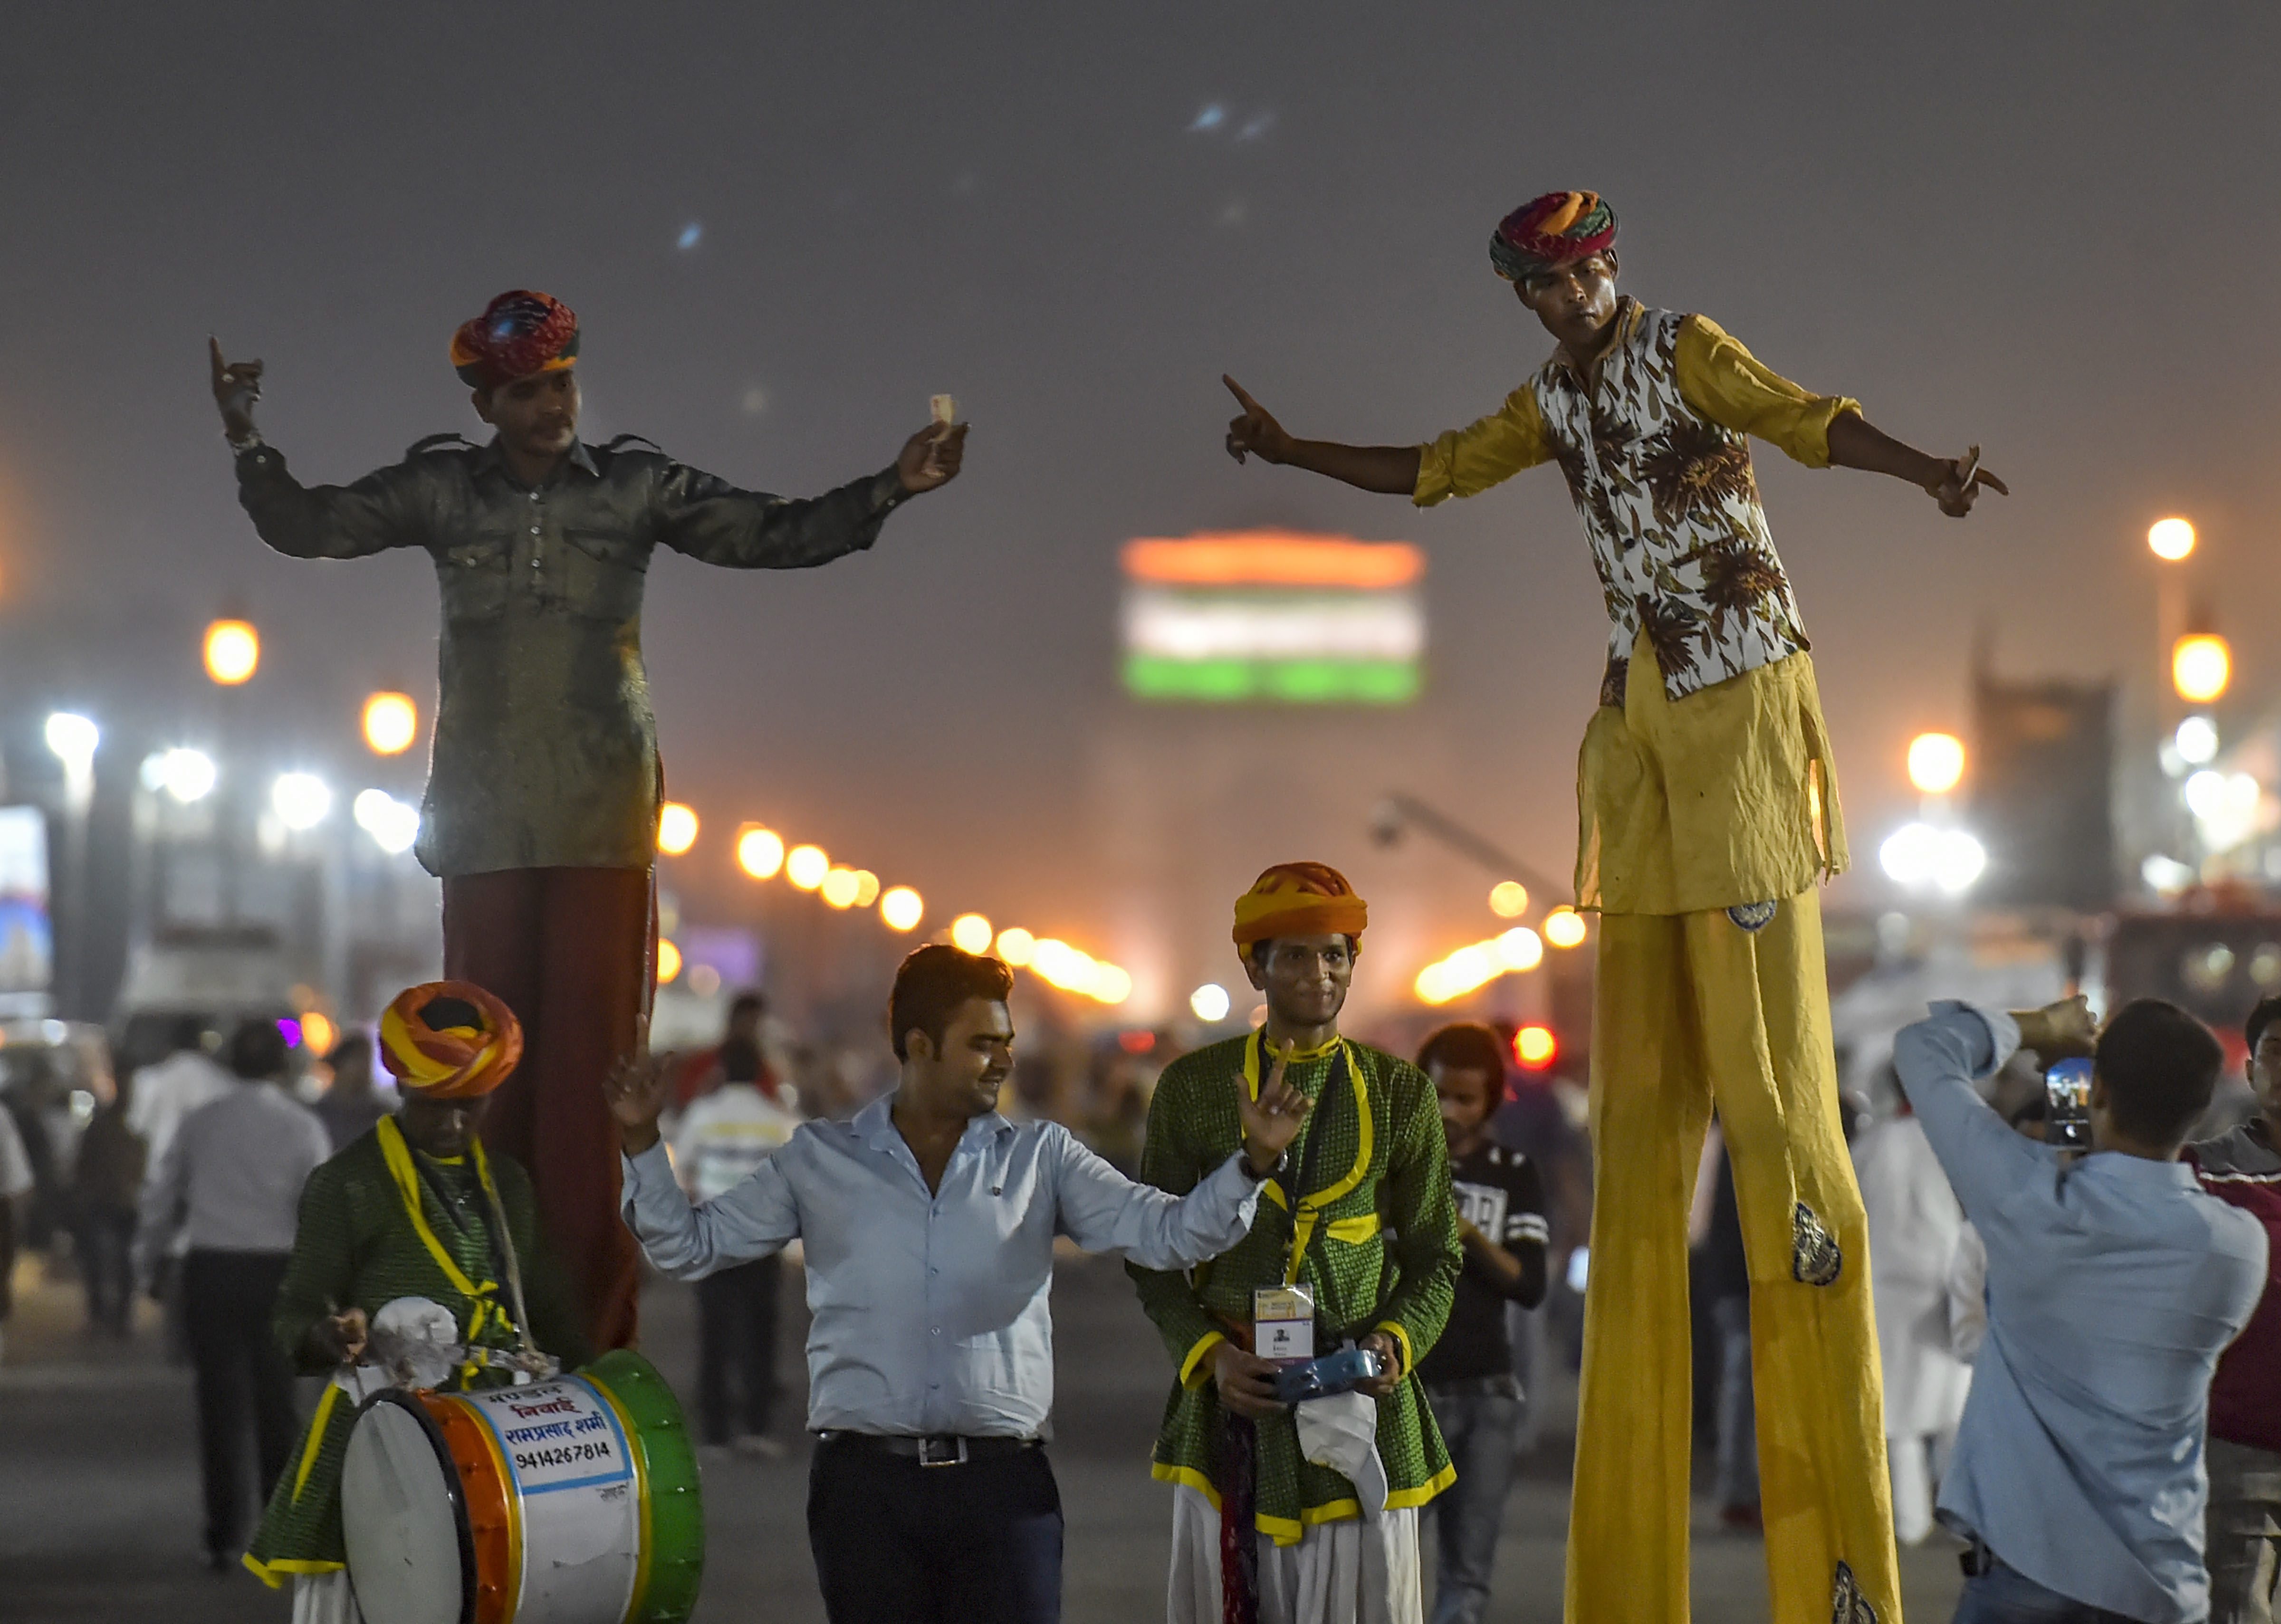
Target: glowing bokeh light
1209, 1003
233, 651
1534, 1048
301, 800
970, 933
2171, 539
760, 852
839, 888
2201, 666
1565, 927
668, 961
1509, 899
901, 908
677, 828
806, 867
391, 722
1936, 763
1014, 945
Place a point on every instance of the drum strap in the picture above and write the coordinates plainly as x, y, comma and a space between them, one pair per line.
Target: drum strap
399, 1157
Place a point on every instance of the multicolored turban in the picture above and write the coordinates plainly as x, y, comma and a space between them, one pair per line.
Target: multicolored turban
450, 1040
1556, 229
519, 334
1299, 899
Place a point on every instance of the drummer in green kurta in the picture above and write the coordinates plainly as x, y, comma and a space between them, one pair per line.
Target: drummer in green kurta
413, 1209
1323, 1501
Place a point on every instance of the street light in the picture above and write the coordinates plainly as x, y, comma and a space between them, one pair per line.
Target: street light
391, 722
1918, 855
73, 738
2201, 666
1209, 1003
760, 852
1509, 899
807, 866
233, 651
1017, 946
840, 887
1936, 763
970, 933
677, 828
187, 775
393, 824
301, 800
1564, 927
2196, 741
901, 909
2171, 539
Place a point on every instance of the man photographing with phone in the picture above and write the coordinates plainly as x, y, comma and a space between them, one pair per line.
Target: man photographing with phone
2114, 1282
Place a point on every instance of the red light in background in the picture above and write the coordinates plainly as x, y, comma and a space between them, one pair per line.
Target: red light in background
1136, 1042
1534, 1048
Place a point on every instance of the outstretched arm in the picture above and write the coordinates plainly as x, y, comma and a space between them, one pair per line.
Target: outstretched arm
714, 523
1391, 470
379, 511
1727, 383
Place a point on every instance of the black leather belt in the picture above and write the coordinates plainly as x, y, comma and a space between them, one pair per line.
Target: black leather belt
934, 1450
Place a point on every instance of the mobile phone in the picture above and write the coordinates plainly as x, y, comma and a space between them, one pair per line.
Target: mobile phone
2067, 1105
1333, 1373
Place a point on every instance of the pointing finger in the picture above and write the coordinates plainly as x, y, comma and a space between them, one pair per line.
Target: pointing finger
1984, 477
1236, 389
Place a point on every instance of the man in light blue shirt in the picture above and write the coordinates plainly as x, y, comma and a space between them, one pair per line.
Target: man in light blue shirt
2113, 1285
928, 1223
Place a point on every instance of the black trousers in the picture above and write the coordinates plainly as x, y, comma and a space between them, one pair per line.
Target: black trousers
897, 1543
242, 1375
737, 1337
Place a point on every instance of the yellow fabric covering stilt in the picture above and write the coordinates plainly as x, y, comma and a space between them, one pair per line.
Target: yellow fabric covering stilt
1692, 1009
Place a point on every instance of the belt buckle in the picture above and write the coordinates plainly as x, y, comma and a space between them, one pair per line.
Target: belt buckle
931, 1453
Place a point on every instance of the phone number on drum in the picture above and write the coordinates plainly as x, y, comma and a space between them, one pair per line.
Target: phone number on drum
531, 1460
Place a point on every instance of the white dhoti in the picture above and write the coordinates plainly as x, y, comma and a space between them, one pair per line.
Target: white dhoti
324, 1598
1349, 1572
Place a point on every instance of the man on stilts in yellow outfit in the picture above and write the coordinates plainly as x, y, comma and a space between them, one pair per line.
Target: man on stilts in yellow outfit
1708, 809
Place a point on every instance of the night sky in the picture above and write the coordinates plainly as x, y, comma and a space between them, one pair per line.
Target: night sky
2049, 229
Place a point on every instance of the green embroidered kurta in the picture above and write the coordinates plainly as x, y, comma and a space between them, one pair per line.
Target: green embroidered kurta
1382, 1166
355, 1246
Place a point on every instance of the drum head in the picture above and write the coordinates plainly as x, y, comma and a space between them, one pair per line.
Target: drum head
411, 1557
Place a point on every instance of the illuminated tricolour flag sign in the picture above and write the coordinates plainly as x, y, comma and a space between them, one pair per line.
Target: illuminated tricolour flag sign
1273, 615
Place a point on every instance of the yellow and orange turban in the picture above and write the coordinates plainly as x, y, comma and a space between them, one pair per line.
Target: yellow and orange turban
450, 1040
1556, 230
519, 334
1299, 899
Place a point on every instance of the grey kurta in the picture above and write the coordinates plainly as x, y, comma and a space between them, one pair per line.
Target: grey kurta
546, 752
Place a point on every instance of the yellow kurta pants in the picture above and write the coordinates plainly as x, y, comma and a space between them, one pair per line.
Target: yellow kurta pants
1693, 1009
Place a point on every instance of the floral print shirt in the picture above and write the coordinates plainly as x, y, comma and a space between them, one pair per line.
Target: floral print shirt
1658, 461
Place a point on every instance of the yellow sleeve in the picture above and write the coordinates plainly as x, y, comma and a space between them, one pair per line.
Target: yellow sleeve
1724, 381
1467, 462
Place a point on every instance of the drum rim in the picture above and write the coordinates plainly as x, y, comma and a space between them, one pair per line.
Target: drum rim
453, 1492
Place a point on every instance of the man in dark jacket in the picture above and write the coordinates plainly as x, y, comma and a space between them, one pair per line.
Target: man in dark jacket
543, 793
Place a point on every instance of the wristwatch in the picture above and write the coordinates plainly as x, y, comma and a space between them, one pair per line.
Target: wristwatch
1254, 1174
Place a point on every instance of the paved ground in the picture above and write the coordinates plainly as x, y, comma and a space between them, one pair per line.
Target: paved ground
100, 1506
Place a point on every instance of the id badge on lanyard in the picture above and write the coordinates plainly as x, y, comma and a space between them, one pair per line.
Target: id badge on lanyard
1283, 1322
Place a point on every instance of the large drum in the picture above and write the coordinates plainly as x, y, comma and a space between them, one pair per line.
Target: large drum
573, 1501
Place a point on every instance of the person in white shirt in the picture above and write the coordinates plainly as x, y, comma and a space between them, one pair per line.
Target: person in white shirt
1914, 1223
722, 1138
167, 1091
230, 1183
15, 1183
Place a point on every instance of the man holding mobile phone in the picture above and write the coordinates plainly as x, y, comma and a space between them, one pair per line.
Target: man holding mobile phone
2114, 1282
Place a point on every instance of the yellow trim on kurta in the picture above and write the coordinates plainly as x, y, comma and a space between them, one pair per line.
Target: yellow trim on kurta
1403, 1499
1355, 1231
1284, 1530
1192, 1374
316, 1443
1311, 1204
1402, 1335
274, 1573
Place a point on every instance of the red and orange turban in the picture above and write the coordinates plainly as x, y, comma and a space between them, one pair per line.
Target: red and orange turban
1556, 230
450, 1040
519, 334
1299, 899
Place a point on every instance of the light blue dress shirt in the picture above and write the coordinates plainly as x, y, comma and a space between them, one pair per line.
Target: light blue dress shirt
931, 1312
2113, 1286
